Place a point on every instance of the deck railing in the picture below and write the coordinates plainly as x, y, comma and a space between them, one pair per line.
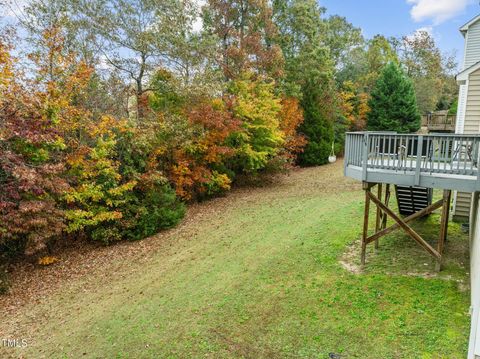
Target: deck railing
439, 122
433, 153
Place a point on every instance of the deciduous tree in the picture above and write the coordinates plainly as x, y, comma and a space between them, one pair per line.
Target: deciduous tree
246, 33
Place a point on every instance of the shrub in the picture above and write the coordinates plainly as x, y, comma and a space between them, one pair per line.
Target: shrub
113, 202
30, 167
453, 107
198, 168
156, 209
98, 190
68, 166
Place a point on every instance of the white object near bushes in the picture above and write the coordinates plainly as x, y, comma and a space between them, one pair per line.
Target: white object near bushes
332, 158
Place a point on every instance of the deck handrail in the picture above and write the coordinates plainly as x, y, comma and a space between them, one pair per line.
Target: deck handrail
438, 119
434, 154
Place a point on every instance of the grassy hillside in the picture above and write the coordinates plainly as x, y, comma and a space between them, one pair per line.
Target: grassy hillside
258, 274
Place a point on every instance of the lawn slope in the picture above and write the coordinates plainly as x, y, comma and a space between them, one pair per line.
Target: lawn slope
258, 275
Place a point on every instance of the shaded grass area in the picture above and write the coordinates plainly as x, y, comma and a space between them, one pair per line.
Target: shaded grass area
263, 279
401, 255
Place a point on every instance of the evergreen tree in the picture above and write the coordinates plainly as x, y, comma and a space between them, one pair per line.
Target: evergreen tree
318, 124
393, 104
309, 69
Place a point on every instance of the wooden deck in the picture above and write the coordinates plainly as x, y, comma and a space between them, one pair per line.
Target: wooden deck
444, 161
418, 163
439, 122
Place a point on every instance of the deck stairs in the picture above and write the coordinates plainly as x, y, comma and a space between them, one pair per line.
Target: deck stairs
412, 199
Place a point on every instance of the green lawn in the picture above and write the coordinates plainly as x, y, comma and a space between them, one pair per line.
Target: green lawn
258, 275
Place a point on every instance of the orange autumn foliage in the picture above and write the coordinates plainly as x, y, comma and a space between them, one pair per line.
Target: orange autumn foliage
6, 64
60, 79
193, 172
354, 106
291, 116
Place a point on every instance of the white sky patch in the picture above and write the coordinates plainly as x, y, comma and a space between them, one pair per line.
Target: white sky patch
428, 29
437, 10
198, 23
103, 63
12, 8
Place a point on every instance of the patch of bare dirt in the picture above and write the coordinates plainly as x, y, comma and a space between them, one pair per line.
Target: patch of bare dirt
349, 260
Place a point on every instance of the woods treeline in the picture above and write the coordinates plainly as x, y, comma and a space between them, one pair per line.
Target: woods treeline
113, 114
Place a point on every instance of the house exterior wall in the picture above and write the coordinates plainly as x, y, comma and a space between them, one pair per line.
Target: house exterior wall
472, 45
468, 122
474, 347
463, 203
468, 116
472, 110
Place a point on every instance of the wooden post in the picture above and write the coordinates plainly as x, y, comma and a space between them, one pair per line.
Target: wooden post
382, 211
387, 199
405, 227
366, 187
443, 227
379, 213
407, 220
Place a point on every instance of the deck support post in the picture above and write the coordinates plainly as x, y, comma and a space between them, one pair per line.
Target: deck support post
382, 211
367, 187
380, 214
447, 194
387, 200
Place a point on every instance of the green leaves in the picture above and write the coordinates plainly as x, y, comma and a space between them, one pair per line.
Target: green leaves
393, 104
258, 109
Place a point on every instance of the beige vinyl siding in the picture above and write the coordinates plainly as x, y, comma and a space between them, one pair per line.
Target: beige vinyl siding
472, 111
462, 206
472, 48
471, 126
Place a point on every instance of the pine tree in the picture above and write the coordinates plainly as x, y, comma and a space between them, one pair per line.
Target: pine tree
309, 69
318, 124
393, 104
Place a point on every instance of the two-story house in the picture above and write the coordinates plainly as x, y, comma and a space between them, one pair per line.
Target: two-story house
468, 115
466, 205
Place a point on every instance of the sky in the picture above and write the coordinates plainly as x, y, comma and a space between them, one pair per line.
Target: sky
442, 18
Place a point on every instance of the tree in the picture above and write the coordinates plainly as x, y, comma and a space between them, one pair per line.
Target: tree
291, 117
136, 36
246, 33
42, 15
393, 104
432, 71
107, 92
300, 37
319, 111
30, 161
258, 110
342, 38
309, 74
354, 106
